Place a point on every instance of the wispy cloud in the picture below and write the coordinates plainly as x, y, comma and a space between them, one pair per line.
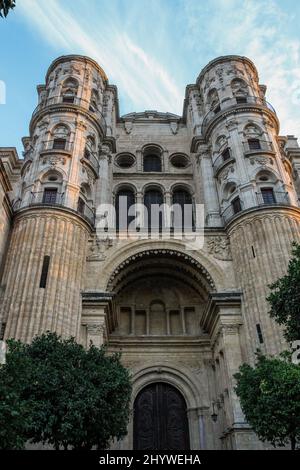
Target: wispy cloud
140, 77
259, 30
139, 43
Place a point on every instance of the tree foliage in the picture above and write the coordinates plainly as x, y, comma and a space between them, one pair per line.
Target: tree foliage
6, 6
72, 397
285, 298
270, 398
14, 408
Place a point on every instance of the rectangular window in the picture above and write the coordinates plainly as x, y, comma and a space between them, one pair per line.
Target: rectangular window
241, 100
68, 99
259, 333
44, 274
236, 205
50, 196
59, 144
217, 109
254, 144
268, 196
2, 331
226, 154
81, 206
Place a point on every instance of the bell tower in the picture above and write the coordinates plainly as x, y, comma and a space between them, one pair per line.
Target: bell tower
55, 206
247, 174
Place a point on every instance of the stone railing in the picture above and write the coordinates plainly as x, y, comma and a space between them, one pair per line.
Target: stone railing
77, 102
230, 104
44, 199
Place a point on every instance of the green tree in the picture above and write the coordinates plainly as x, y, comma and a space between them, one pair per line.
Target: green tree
270, 399
285, 298
15, 417
6, 6
76, 398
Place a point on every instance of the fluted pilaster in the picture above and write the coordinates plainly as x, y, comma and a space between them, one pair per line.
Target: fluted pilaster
27, 309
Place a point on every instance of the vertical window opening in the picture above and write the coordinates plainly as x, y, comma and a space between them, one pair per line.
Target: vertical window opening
259, 333
44, 274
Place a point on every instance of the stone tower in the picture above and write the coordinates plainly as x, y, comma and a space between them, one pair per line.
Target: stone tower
184, 319
254, 189
55, 201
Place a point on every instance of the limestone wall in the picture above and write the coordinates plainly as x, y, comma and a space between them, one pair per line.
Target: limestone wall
28, 309
261, 244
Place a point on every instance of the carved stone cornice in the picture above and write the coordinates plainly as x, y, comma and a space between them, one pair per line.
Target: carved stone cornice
222, 313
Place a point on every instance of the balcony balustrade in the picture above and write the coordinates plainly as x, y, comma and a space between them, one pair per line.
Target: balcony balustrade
233, 103
77, 102
52, 198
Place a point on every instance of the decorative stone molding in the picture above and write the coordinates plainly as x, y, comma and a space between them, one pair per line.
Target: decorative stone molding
98, 248
161, 252
261, 161
128, 126
219, 247
54, 160
232, 124
174, 127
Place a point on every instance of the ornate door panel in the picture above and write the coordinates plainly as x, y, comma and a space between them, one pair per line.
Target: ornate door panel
160, 421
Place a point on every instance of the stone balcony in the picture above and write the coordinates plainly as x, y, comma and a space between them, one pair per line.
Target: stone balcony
54, 102
232, 104
58, 200
280, 198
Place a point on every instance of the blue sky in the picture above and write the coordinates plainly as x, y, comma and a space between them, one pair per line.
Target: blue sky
150, 49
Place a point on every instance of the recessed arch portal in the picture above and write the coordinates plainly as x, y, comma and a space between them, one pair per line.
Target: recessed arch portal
160, 293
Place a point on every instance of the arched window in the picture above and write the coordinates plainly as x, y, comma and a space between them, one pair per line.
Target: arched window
51, 188
153, 199
60, 136
213, 100
69, 90
81, 205
90, 147
84, 203
183, 217
124, 200
94, 103
236, 205
240, 90
152, 162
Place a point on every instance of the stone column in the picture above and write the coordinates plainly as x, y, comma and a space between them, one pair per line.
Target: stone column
223, 320
182, 315
139, 161
211, 201
233, 360
104, 176
97, 316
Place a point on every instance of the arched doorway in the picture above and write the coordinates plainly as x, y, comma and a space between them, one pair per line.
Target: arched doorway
160, 419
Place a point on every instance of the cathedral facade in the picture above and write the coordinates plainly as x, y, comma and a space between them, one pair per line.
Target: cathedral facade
184, 318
